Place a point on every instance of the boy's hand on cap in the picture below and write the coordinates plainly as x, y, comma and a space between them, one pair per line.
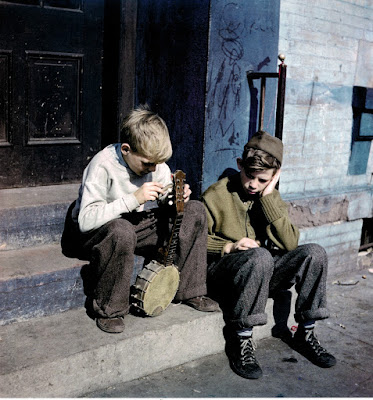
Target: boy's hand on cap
272, 185
149, 191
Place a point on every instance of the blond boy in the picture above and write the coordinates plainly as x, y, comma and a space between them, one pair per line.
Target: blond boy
108, 224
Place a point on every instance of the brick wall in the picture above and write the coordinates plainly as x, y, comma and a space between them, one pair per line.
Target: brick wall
341, 240
322, 41
329, 49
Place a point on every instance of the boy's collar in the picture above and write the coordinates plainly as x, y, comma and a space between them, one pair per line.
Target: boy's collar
120, 155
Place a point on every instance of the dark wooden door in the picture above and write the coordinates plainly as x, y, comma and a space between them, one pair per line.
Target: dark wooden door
50, 89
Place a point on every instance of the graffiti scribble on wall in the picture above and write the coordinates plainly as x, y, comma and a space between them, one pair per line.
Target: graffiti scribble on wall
226, 89
243, 37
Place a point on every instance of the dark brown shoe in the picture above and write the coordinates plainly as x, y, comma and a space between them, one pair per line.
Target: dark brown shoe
202, 303
111, 325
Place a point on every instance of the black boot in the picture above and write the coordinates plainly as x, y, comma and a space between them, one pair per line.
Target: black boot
306, 343
240, 352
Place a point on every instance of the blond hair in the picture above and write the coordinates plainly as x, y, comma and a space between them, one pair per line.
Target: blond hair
147, 134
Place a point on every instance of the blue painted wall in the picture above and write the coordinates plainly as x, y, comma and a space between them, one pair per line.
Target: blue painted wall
243, 36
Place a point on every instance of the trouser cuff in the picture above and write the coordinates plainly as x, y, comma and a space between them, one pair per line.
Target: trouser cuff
191, 292
309, 315
108, 312
248, 322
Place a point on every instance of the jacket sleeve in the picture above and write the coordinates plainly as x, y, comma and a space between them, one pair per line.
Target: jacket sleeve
280, 230
215, 243
95, 211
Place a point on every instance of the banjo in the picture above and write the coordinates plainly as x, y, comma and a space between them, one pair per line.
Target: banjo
157, 283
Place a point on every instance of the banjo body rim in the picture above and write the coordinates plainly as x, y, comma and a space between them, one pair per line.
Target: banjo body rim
155, 288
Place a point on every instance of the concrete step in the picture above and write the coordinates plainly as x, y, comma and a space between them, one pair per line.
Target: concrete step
66, 355
33, 216
49, 346
39, 281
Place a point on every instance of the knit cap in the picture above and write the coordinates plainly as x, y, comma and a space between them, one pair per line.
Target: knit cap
268, 143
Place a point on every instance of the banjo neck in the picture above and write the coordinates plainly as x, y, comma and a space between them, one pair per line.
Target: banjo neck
168, 253
158, 282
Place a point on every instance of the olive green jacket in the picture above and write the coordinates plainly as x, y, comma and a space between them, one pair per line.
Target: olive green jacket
230, 218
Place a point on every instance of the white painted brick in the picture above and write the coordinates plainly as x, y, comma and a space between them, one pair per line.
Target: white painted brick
290, 162
322, 42
340, 12
351, 20
324, 38
342, 248
301, 71
339, 229
292, 143
348, 8
296, 7
368, 35
340, 119
288, 178
340, 53
321, 21
283, 46
317, 184
345, 227
346, 66
292, 187
350, 31
317, 51
292, 19
352, 180
360, 206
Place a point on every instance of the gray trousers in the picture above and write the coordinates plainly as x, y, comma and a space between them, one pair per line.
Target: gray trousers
242, 282
111, 251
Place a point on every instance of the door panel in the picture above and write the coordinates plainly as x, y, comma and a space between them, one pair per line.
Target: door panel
55, 89
50, 89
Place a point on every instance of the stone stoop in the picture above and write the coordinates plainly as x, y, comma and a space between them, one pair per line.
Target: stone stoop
66, 355
50, 347
39, 281
36, 279
33, 216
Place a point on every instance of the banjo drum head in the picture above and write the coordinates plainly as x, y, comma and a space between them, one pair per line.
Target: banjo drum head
156, 286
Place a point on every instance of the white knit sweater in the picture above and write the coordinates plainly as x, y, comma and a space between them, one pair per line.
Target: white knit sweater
107, 188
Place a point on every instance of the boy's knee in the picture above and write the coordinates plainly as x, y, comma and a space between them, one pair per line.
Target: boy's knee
121, 232
315, 251
262, 256
194, 209
259, 261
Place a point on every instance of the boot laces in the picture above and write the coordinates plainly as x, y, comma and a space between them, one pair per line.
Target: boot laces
314, 343
247, 347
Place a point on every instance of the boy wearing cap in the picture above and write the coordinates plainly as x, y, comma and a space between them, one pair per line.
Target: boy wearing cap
254, 254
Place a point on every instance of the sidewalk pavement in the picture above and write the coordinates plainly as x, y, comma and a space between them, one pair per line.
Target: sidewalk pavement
347, 334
